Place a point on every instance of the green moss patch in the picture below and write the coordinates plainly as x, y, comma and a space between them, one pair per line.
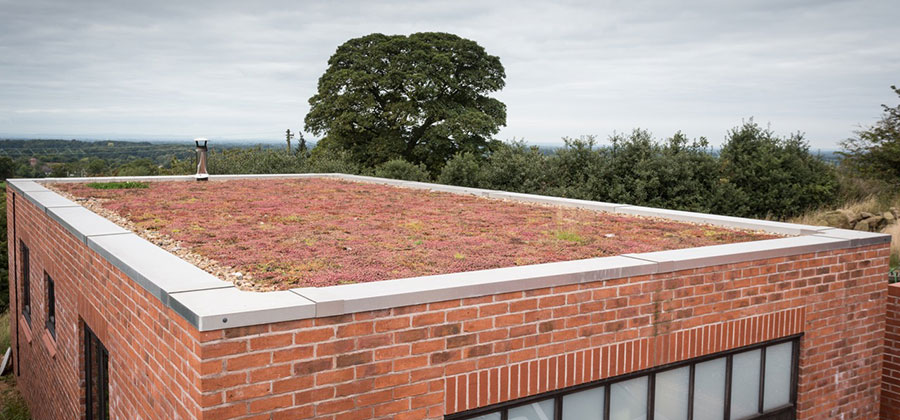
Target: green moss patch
117, 185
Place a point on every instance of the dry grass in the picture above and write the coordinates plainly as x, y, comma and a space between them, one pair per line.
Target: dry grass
894, 231
4, 332
12, 405
873, 204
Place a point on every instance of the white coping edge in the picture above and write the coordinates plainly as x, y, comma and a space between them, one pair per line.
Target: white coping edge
209, 303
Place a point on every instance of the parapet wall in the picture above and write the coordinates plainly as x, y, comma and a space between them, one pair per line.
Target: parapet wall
185, 345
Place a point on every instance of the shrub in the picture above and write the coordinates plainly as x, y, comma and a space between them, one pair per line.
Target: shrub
687, 173
636, 169
338, 164
462, 169
628, 172
572, 167
401, 169
515, 167
255, 161
762, 175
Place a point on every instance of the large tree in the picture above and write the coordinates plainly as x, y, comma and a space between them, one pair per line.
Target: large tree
876, 151
422, 98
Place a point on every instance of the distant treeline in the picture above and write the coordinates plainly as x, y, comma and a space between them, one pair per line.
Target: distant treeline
753, 174
62, 158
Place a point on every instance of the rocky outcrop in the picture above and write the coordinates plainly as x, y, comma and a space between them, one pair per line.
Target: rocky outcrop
843, 219
865, 221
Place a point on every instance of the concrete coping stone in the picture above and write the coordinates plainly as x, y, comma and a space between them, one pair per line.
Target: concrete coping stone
453, 189
262, 176
857, 238
115, 179
724, 221
558, 201
210, 303
83, 223
24, 185
688, 258
337, 300
48, 199
229, 307
155, 269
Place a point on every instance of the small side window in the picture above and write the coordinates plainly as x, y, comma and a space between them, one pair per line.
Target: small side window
26, 282
51, 305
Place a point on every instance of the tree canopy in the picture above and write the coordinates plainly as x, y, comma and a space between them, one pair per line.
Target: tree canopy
876, 151
422, 98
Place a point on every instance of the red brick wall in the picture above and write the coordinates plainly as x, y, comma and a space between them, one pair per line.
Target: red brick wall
433, 359
535, 376
153, 367
890, 392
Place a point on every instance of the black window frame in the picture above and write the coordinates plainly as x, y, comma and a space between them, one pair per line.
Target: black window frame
50, 292
26, 281
784, 412
96, 400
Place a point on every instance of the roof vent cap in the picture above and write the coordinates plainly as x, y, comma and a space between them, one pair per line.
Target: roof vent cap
202, 150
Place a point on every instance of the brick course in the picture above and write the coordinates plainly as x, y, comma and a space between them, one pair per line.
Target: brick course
428, 360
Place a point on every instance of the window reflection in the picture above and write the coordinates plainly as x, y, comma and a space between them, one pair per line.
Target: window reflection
745, 384
541, 410
709, 390
778, 375
584, 405
628, 399
672, 387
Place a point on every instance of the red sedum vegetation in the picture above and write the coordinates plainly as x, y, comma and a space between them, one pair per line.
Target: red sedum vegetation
319, 232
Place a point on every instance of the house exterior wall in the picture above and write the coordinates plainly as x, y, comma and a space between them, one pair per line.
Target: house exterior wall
426, 361
153, 364
890, 393
433, 359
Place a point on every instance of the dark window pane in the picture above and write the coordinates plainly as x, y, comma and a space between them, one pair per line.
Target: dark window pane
26, 282
51, 307
97, 378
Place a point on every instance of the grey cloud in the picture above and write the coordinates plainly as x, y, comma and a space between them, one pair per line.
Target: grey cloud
235, 69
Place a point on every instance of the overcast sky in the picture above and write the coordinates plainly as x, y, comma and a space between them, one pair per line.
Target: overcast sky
245, 69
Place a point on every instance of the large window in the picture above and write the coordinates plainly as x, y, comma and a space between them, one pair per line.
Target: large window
26, 282
754, 382
51, 304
